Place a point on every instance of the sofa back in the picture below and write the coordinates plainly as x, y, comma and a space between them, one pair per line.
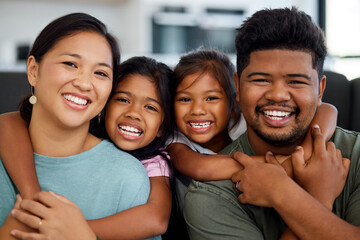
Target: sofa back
13, 88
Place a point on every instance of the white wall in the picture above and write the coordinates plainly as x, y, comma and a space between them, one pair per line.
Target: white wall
128, 20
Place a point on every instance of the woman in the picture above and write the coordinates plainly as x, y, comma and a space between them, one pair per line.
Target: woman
70, 69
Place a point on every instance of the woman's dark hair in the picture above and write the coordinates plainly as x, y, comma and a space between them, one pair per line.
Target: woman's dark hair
161, 75
283, 28
61, 28
215, 63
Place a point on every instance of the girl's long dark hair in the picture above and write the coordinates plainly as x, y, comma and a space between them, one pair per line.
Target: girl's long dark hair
161, 75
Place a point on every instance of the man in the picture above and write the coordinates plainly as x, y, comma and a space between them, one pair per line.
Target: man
280, 56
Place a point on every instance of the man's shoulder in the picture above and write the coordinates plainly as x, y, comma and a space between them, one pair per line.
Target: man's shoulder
221, 190
347, 141
241, 144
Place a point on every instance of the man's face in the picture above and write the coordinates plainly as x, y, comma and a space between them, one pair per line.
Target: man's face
279, 93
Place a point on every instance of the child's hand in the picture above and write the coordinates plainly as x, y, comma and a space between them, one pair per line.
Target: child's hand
54, 216
259, 182
324, 174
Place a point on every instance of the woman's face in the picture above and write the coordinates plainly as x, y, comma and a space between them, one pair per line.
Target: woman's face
73, 80
134, 113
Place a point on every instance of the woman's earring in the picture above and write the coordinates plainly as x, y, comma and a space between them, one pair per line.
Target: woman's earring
99, 118
33, 98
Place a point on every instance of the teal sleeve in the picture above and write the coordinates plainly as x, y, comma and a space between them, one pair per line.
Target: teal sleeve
214, 213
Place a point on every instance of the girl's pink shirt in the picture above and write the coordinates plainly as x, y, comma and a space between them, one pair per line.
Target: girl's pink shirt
157, 166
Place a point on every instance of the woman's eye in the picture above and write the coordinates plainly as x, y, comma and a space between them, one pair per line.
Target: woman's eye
102, 74
70, 64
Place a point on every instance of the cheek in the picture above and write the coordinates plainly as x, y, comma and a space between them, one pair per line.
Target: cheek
104, 90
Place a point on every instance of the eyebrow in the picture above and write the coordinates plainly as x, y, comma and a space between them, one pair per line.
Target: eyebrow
79, 57
287, 75
209, 91
129, 94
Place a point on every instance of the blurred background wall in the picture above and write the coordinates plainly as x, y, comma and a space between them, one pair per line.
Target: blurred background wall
165, 29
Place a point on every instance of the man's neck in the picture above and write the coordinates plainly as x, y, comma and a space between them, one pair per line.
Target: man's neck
260, 147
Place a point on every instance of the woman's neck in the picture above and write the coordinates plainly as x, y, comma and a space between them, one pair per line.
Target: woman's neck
51, 140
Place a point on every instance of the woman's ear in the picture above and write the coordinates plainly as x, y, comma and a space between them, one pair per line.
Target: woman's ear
32, 70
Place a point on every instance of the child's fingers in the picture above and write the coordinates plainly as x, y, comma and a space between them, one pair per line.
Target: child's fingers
297, 158
270, 158
319, 143
242, 158
18, 201
346, 164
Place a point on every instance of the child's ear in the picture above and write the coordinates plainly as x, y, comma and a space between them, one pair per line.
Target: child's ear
32, 70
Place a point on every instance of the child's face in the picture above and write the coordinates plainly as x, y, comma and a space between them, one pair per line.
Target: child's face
201, 109
134, 114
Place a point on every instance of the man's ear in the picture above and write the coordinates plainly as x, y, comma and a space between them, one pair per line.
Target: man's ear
32, 70
322, 85
237, 85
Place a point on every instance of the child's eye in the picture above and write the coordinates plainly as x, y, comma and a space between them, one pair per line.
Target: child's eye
102, 74
124, 100
211, 98
151, 108
71, 64
184, 99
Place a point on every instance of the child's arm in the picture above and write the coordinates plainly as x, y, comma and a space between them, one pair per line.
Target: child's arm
144, 221
326, 118
17, 155
202, 167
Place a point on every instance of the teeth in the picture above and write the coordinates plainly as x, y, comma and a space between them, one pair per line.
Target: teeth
276, 115
130, 130
75, 99
200, 125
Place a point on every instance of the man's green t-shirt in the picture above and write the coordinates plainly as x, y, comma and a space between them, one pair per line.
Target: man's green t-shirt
212, 210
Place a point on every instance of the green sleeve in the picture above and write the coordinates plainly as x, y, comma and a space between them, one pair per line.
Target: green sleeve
212, 213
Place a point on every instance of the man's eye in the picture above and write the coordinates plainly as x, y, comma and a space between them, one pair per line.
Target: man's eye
260, 80
70, 64
297, 82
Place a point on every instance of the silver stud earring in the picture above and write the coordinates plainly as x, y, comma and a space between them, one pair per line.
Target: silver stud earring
33, 98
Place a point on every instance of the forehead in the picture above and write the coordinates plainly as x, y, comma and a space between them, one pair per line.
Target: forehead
87, 41
139, 84
199, 80
281, 61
